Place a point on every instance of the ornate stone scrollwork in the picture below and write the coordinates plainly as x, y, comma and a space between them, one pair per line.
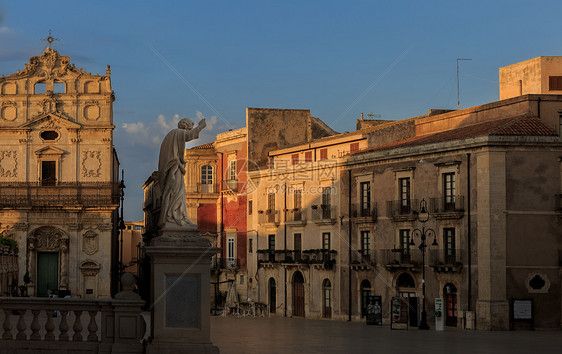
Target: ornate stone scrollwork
48, 238
90, 242
91, 163
8, 163
89, 268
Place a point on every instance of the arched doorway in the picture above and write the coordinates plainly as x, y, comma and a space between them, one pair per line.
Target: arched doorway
327, 298
365, 293
406, 288
450, 292
298, 294
272, 296
47, 257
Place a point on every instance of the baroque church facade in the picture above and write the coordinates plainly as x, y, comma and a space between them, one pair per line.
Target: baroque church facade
58, 176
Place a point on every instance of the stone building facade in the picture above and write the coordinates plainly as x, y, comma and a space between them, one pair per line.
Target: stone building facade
58, 173
490, 178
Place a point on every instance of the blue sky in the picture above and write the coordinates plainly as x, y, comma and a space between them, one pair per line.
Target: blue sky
337, 58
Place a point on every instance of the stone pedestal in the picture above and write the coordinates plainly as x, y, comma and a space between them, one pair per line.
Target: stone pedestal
180, 275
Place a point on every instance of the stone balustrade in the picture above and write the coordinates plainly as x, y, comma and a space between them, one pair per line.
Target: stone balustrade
69, 325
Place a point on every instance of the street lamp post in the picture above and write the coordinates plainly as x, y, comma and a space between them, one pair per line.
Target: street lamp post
121, 223
423, 217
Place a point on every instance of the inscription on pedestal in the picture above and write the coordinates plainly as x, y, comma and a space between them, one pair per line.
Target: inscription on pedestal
182, 301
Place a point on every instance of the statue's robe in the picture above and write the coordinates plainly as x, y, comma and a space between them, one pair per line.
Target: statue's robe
171, 171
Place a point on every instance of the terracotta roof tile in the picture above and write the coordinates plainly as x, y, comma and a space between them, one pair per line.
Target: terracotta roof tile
210, 145
518, 125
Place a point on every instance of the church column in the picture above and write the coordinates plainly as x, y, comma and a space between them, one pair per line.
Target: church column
64, 264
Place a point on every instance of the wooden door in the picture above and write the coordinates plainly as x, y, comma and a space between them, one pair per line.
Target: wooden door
47, 272
451, 308
298, 299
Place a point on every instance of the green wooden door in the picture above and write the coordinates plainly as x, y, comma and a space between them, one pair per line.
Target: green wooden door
47, 272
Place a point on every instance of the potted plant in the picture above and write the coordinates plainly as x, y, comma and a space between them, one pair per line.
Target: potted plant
314, 207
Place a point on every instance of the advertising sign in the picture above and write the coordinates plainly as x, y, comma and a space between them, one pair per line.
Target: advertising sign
439, 315
398, 313
374, 310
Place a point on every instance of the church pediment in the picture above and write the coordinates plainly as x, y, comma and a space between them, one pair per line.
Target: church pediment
49, 150
50, 65
50, 120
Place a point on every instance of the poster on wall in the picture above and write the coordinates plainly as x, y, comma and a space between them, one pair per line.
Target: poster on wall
398, 313
374, 310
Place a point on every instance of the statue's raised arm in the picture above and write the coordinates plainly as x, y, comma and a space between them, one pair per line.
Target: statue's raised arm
171, 171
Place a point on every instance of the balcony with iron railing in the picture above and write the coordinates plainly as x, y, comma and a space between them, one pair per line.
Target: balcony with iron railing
225, 263
207, 188
446, 260
296, 216
362, 259
230, 185
323, 214
402, 210
447, 207
268, 217
401, 259
364, 212
61, 194
318, 257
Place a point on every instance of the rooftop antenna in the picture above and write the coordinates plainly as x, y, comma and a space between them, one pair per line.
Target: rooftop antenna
50, 39
458, 85
372, 115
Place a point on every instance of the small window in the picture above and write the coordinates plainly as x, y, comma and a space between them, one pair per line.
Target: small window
555, 83
354, 147
251, 245
323, 154
49, 135
250, 207
308, 156
59, 87
40, 88
326, 240
241, 279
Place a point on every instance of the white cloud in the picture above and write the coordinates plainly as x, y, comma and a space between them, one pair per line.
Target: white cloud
135, 128
151, 134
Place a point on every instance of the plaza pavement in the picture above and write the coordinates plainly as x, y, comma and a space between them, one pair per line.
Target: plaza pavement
292, 335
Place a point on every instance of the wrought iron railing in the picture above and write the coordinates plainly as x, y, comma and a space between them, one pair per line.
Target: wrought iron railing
445, 204
408, 256
268, 217
31, 194
296, 215
225, 263
310, 256
362, 257
364, 210
323, 213
398, 208
446, 256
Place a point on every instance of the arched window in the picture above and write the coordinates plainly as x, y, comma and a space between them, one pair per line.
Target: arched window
327, 298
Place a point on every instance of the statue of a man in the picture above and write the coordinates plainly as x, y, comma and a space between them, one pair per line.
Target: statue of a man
171, 171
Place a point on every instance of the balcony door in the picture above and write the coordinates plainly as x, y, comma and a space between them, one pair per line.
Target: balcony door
271, 207
365, 207
47, 272
48, 173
